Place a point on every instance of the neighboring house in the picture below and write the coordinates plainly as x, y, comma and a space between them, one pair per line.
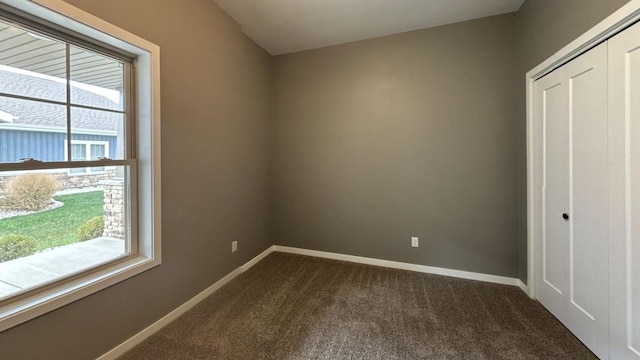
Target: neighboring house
33, 129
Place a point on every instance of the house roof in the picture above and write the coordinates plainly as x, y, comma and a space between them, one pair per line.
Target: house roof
46, 115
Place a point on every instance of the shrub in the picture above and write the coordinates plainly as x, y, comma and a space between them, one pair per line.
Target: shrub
31, 192
91, 229
16, 246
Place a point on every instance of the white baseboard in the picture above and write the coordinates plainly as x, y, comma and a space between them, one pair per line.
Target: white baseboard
402, 266
524, 287
156, 326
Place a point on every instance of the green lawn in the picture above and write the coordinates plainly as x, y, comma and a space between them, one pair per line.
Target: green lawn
58, 226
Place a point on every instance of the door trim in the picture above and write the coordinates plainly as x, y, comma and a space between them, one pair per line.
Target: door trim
612, 25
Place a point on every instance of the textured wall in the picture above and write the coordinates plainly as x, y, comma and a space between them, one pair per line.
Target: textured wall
406, 135
216, 109
544, 27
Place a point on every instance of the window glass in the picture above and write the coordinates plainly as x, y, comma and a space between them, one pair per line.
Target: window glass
97, 151
31, 129
85, 151
78, 152
100, 126
53, 227
96, 80
32, 64
34, 112
61, 221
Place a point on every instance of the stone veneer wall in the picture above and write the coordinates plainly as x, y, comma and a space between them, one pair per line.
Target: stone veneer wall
113, 208
68, 181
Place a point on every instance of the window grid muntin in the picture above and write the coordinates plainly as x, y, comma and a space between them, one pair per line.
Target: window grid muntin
48, 32
54, 102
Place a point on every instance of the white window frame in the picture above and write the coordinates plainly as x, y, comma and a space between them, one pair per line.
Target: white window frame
147, 140
87, 144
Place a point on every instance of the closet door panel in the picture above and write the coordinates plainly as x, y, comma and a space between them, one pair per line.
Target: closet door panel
552, 95
555, 245
573, 280
589, 197
624, 118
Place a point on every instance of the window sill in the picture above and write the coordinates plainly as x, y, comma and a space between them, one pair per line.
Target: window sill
45, 301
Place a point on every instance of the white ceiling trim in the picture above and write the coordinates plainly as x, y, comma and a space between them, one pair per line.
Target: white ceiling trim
285, 26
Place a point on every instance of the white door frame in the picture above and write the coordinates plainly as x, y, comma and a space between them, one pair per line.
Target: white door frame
618, 21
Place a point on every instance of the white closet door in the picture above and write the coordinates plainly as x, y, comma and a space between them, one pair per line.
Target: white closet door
553, 109
573, 278
589, 206
624, 124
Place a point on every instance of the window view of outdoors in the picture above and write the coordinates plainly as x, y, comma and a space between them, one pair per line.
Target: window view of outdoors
64, 104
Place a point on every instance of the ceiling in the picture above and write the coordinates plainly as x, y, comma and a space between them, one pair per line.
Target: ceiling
284, 26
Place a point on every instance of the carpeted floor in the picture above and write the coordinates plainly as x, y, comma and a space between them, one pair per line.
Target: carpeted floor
295, 307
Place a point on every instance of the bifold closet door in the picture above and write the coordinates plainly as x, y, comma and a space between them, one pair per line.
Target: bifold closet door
624, 125
572, 248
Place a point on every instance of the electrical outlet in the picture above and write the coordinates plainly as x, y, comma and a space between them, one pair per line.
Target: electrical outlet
234, 246
414, 242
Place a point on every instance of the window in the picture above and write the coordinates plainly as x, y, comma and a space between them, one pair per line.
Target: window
87, 151
78, 96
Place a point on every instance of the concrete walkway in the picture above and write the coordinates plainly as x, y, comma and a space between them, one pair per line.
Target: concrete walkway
30, 271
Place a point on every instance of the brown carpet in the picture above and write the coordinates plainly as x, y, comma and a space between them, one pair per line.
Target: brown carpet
297, 307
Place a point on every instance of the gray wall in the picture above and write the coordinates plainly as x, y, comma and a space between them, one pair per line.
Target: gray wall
544, 27
216, 109
406, 135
